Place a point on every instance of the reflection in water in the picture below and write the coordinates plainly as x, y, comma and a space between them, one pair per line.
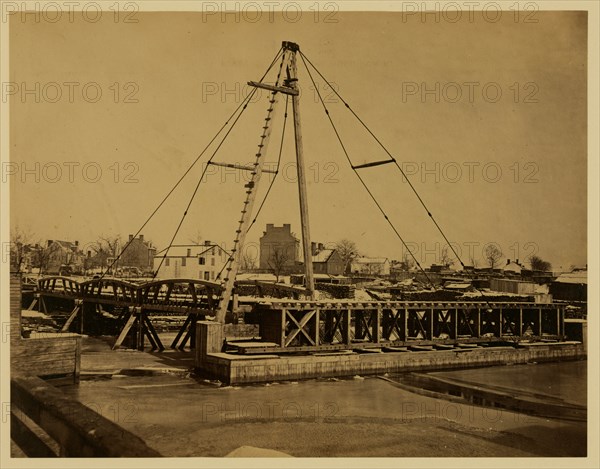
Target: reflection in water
566, 380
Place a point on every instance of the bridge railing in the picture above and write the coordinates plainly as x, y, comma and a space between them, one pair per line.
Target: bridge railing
186, 293
75, 430
111, 289
183, 293
57, 284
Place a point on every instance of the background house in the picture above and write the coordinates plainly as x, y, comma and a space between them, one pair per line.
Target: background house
193, 261
571, 286
59, 254
371, 266
326, 261
512, 267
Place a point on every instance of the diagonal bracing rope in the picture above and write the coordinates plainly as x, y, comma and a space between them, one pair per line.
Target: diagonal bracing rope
391, 160
359, 176
241, 106
268, 189
245, 103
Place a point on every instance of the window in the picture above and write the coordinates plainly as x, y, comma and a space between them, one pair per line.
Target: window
167, 262
183, 260
206, 275
201, 260
212, 275
212, 261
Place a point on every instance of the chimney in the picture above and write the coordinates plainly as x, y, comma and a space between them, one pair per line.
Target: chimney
206, 242
313, 248
507, 261
49, 242
89, 254
517, 262
130, 237
321, 247
141, 237
287, 227
76, 243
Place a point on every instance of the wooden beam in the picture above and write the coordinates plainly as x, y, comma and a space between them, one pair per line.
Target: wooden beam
374, 163
301, 325
71, 318
233, 264
32, 305
304, 221
376, 326
152, 331
241, 167
455, 323
278, 89
520, 321
141, 330
317, 326
347, 337
32, 445
78, 430
430, 331
126, 328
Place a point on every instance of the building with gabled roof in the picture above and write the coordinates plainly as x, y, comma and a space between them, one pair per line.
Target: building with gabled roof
194, 261
59, 254
326, 261
371, 266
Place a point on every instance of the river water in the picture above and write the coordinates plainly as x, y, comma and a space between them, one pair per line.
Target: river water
353, 417
567, 380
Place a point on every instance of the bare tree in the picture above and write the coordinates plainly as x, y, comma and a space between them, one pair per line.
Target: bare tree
278, 260
347, 251
42, 258
537, 263
196, 238
407, 261
20, 240
104, 248
492, 254
445, 258
248, 262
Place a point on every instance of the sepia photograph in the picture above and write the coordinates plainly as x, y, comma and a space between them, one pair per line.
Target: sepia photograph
346, 234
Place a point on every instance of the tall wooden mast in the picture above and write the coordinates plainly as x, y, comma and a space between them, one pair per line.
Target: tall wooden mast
290, 88
292, 82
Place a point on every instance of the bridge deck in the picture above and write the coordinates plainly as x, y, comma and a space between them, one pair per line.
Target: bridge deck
294, 325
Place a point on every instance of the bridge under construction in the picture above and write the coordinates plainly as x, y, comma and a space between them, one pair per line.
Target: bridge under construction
298, 324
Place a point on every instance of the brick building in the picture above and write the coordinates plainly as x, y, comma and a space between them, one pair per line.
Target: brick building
279, 248
138, 253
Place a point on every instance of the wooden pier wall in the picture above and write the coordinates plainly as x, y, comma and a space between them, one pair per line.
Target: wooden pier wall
50, 354
240, 369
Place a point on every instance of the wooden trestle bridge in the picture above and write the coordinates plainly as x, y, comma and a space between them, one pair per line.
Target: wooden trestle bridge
288, 325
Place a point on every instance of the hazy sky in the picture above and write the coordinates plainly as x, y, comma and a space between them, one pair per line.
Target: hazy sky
508, 168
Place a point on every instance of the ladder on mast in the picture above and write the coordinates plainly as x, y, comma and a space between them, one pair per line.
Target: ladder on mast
290, 87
